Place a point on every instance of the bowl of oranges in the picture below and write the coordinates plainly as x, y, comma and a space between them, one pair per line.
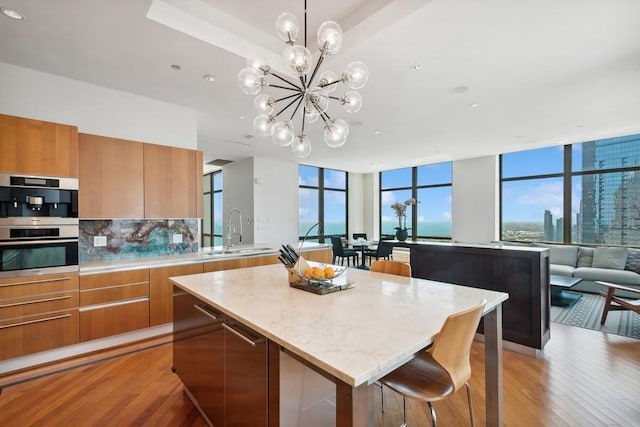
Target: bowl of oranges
317, 273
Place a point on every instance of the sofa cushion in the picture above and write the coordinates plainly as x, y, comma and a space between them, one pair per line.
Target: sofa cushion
609, 257
561, 270
564, 255
633, 260
620, 277
585, 257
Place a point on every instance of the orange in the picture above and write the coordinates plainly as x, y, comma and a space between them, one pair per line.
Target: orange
329, 273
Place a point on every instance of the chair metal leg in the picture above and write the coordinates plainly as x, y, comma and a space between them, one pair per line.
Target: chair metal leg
434, 420
473, 422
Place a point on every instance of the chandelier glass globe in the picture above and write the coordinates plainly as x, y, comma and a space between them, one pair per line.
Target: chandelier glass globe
356, 75
351, 101
335, 133
250, 81
329, 38
298, 59
328, 81
263, 125
287, 27
301, 146
263, 104
283, 133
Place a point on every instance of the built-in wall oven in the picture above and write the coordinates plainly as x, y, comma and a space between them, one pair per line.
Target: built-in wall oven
38, 225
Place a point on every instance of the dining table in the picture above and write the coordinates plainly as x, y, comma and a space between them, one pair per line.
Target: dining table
362, 245
352, 337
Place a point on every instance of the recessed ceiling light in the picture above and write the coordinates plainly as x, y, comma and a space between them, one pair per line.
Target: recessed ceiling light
474, 105
209, 78
376, 132
176, 67
460, 89
240, 117
10, 13
415, 67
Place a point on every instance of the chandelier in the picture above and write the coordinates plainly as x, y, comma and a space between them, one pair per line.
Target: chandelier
309, 95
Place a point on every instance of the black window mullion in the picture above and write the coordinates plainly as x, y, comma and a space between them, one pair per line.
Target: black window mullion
566, 209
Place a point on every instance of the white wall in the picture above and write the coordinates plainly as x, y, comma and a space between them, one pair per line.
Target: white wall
266, 192
237, 193
475, 200
95, 109
275, 196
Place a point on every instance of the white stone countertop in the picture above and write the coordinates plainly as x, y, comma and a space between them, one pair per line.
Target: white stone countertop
203, 255
356, 335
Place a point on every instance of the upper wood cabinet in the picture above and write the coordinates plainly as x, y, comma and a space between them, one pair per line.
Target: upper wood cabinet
111, 178
34, 147
172, 177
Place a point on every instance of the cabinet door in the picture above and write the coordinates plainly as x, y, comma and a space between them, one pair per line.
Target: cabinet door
34, 147
161, 291
198, 353
170, 183
245, 376
111, 178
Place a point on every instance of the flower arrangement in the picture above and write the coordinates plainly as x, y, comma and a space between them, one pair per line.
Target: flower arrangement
401, 212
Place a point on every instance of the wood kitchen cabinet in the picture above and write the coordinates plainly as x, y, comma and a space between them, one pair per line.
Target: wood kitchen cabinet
38, 313
161, 291
113, 303
222, 364
35, 147
231, 264
111, 177
172, 177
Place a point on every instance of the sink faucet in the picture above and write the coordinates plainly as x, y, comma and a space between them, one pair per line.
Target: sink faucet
232, 230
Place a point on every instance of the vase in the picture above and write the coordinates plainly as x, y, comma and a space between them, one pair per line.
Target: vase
402, 235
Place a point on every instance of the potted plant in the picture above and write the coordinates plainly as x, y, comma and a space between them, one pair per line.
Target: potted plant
401, 212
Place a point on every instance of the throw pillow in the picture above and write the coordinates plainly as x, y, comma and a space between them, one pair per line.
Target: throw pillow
633, 260
609, 257
564, 255
585, 257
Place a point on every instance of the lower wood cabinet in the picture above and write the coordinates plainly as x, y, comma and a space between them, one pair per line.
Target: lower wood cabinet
113, 303
38, 313
161, 291
222, 364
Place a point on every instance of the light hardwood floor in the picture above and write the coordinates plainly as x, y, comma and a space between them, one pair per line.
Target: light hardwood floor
584, 378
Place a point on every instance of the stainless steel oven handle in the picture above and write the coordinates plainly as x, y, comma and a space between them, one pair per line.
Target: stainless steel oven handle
37, 242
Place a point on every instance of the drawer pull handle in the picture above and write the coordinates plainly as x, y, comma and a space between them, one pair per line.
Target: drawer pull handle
35, 321
204, 311
111, 304
250, 341
35, 301
31, 282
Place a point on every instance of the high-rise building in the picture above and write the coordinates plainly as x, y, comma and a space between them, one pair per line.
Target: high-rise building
610, 204
548, 226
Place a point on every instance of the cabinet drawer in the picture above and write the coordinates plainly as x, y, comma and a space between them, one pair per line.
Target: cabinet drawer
32, 305
33, 334
95, 281
110, 319
114, 294
23, 287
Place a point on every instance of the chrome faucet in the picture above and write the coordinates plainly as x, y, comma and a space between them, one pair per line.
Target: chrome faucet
231, 231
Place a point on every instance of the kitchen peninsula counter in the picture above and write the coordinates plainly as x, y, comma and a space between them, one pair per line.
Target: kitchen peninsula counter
355, 336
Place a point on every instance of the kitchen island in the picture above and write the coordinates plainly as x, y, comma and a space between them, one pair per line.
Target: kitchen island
352, 337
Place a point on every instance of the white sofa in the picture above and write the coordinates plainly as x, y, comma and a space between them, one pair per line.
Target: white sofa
617, 265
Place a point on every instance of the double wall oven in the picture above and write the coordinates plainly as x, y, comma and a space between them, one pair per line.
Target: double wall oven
38, 225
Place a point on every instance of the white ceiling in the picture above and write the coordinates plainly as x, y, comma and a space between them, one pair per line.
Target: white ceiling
539, 71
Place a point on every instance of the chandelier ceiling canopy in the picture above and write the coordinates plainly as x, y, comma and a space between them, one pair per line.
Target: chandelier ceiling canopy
310, 95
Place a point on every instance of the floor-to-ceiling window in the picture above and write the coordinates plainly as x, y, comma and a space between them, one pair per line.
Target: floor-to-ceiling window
430, 186
212, 215
322, 199
580, 193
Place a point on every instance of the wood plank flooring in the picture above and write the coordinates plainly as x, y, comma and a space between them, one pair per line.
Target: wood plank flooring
584, 378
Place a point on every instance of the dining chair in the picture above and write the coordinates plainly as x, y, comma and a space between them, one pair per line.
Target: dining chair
613, 302
381, 251
391, 267
340, 251
443, 368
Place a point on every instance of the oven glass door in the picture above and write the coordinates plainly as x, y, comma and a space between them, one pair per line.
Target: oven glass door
39, 257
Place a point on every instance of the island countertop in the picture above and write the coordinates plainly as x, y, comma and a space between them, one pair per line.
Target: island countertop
356, 335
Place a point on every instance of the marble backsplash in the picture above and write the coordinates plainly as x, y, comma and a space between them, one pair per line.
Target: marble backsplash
135, 238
